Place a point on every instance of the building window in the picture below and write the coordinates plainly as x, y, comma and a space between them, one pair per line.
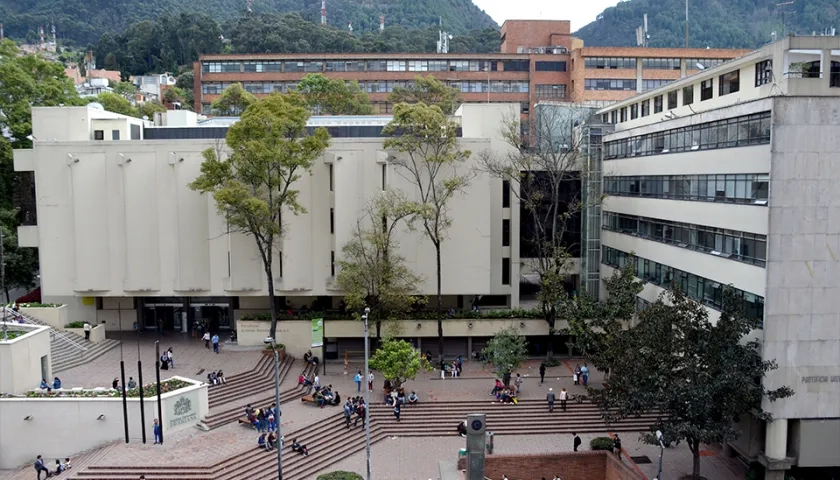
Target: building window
651, 84
672, 99
220, 67
505, 194
703, 63
505, 233
505, 271
614, 117
313, 66
610, 62
384, 179
516, 65
732, 244
732, 132
729, 83
624, 114
99, 134
115, 134
688, 95
645, 108
706, 90
702, 290
751, 189
418, 66
657, 104
550, 91
280, 263
332, 220
550, 66
331, 176
634, 111
135, 131
609, 84
259, 67
763, 72
459, 65
332, 263
438, 65
661, 63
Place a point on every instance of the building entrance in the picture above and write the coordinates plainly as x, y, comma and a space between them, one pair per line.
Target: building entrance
162, 316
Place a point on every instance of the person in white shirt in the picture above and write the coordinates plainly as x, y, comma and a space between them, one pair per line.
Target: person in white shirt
564, 395
370, 380
206, 339
87, 329
317, 382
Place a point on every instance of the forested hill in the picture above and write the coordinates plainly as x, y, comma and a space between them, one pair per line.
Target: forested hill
712, 23
84, 21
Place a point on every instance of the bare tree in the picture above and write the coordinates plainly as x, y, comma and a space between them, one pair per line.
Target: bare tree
545, 175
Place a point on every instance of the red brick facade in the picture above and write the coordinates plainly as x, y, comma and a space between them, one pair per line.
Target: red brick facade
590, 465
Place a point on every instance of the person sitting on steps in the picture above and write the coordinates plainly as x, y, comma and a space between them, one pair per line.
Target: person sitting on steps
412, 397
301, 449
462, 428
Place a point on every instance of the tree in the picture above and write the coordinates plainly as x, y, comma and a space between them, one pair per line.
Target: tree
116, 103
428, 157
253, 185
371, 272
148, 109
546, 174
186, 82
701, 376
176, 95
126, 89
333, 97
340, 475
398, 361
233, 100
21, 263
428, 90
505, 352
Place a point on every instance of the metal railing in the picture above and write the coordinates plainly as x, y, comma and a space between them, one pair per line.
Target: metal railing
11, 314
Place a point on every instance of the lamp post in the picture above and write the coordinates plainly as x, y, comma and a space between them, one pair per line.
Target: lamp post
270, 341
661, 452
367, 395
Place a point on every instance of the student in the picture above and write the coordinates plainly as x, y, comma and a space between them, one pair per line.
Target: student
272, 441
220, 376
358, 380
397, 411
301, 449
564, 395
164, 361
39, 467
215, 340
206, 338
462, 428
412, 397
44, 384
115, 384
67, 464
370, 380
169, 358
617, 446
584, 372
156, 430
549, 397
542, 373
56, 383
518, 383
576, 441
58, 467
87, 330
348, 413
261, 442
131, 383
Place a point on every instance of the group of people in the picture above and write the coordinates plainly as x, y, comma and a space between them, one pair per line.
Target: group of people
358, 379
208, 339
216, 378
55, 385
550, 397
167, 361
263, 419
453, 368
507, 393
581, 375
60, 467
354, 406
398, 397
326, 396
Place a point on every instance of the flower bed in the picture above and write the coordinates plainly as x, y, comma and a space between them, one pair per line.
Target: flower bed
149, 390
39, 305
12, 334
421, 315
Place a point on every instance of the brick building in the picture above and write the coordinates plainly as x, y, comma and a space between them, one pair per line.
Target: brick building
539, 60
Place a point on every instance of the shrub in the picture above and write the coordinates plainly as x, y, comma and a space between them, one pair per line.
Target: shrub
340, 475
75, 325
279, 346
39, 305
601, 443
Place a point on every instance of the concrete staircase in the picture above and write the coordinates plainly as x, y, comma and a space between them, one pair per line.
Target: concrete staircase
329, 441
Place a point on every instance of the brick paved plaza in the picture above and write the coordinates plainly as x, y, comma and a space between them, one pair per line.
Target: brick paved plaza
393, 458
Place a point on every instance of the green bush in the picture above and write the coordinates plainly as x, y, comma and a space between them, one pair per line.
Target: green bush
39, 305
279, 346
601, 443
75, 325
421, 315
340, 475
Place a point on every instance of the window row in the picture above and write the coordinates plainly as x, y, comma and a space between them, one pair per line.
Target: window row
379, 66
733, 132
609, 84
550, 91
733, 244
610, 62
661, 63
696, 63
708, 292
730, 188
550, 66
380, 86
651, 84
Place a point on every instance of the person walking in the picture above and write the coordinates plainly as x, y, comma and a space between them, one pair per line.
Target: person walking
397, 411
617, 446
169, 358
206, 338
87, 329
549, 397
358, 380
370, 380
156, 431
348, 412
577, 374
584, 373
542, 373
518, 383
576, 441
564, 396
215, 341
40, 467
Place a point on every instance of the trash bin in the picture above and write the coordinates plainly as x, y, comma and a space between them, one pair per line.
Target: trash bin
490, 443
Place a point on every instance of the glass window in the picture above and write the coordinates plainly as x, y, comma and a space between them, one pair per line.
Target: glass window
651, 84
661, 63
418, 66
376, 65
688, 95
550, 66
657, 104
634, 111
548, 91
609, 84
672, 99
610, 62
395, 65
645, 108
516, 65
459, 66
729, 82
763, 72
706, 90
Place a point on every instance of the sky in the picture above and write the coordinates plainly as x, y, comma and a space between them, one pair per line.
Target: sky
578, 12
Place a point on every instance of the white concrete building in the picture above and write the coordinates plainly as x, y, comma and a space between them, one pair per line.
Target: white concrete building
732, 176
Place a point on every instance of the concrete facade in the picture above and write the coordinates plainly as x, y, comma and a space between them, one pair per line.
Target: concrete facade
25, 360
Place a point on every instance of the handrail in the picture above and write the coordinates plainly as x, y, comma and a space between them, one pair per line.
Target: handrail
55, 333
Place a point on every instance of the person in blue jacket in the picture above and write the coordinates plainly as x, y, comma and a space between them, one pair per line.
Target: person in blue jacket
56, 383
156, 431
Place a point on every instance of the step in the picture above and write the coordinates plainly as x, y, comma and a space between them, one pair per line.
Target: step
255, 383
263, 365
93, 352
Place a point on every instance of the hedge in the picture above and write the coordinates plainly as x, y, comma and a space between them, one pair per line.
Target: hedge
149, 391
39, 305
75, 325
340, 475
601, 443
421, 315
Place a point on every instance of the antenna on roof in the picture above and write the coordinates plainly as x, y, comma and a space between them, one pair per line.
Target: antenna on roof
323, 12
249, 5
351, 28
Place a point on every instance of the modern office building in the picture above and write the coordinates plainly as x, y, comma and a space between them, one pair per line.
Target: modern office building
732, 176
539, 60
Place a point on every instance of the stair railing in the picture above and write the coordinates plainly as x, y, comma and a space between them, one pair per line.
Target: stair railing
54, 333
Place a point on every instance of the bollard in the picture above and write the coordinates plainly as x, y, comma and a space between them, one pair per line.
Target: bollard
490, 443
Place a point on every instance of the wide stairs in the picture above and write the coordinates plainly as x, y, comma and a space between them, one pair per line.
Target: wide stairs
227, 401
330, 442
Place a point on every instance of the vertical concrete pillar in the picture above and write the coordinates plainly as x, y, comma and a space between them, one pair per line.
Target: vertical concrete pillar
639, 75
775, 441
469, 348
825, 67
420, 344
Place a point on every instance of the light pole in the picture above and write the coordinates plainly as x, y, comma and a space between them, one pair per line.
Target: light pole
661, 452
367, 395
270, 341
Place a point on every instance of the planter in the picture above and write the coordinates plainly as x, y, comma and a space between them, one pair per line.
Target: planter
281, 353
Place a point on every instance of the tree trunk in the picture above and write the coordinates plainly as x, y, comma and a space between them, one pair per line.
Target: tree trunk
439, 303
272, 307
695, 453
506, 379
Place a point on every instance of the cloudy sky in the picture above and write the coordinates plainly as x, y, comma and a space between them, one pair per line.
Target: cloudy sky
579, 12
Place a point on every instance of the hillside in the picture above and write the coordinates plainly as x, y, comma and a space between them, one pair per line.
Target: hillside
712, 23
84, 21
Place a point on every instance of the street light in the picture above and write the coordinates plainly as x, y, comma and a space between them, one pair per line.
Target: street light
270, 341
661, 452
367, 394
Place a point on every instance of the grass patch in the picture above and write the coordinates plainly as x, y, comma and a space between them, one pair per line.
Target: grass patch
149, 390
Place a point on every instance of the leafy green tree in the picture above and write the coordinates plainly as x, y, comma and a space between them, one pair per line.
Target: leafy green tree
233, 100
175, 94
340, 475
333, 96
428, 156
113, 102
428, 90
148, 109
505, 352
702, 376
254, 183
126, 89
186, 82
21, 263
371, 273
398, 361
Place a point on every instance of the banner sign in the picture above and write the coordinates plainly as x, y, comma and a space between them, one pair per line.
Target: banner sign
317, 332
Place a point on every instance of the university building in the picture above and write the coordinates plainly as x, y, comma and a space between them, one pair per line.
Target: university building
731, 176
539, 61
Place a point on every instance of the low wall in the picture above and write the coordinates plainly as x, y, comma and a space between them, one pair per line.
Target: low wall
21, 360
97, 333
590, 465
64, 426
296, 335
56, 317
